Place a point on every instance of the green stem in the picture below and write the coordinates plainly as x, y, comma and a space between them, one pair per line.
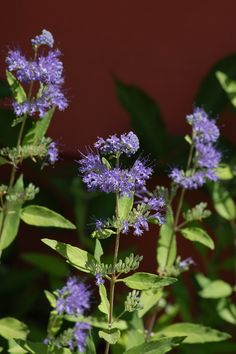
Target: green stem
14, 167
233, 226
114, 275
178, 211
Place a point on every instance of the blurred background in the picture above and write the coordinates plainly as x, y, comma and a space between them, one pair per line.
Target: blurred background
164, 47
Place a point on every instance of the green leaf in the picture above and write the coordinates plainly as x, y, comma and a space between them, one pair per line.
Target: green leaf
227, 310
40, 216
160, 346
202, 280
90, 346
40, 348
224, 172
98, 322
188, 139
12, 220
148, 299
228, 85
111, 336
145, 117
102, 233
12, 328
223, 203
197, 234
106, 163
51, 298
77, 257
194, 333
54, 324
39, 129
104, 306
166, 253
211, 95
135, 334
14, 348
146, 281
124, 206
47, 263
98, 252
216, 289
3, 161
16, 88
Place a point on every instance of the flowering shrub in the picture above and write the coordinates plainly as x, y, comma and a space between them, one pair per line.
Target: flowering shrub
87, 315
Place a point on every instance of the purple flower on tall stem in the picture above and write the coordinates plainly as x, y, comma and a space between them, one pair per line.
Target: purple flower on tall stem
206, 158
46, 71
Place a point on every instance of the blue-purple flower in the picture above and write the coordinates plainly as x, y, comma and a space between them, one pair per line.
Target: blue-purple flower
127, 144
44, 70
73, 298
206, 158
99, 279
53, 152
98, 175
80, 336
45, 38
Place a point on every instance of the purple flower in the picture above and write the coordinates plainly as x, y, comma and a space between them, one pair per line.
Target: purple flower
73, 298
141, 173
125, 227
140, 225
127, 144
204, 129
52, 152
50, 68
50, 97
80, 335
206, 158
25, 70
45, 38
46, 71
97, 176
99, 224
99, 279
193, 181
185, 263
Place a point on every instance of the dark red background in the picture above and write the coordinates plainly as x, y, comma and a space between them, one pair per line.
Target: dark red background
165, 47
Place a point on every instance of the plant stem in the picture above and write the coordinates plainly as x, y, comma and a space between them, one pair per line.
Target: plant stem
14, 167
178, 210
233, 226
113, 276
175, 228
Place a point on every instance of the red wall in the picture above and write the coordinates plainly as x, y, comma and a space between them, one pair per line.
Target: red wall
164, 47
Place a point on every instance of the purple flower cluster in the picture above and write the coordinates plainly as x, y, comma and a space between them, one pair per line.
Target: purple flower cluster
151, 209
45, 38
79, 337
47, 71
73, 298
98, 175
126, 144
206, 159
